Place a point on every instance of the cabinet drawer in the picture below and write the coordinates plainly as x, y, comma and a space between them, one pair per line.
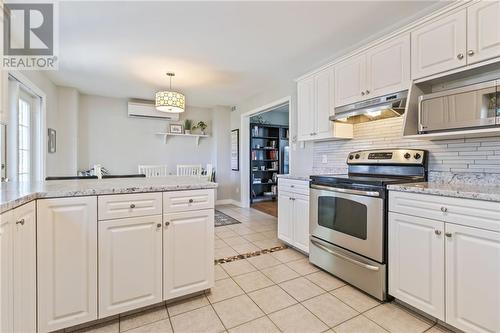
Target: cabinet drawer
129, 205
180, 201
468, 212
294, 186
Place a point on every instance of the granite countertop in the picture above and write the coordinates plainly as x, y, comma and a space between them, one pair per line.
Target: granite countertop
467, 191
295, 177
15, 194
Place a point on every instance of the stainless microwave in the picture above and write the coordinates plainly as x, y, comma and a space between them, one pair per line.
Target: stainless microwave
472, 106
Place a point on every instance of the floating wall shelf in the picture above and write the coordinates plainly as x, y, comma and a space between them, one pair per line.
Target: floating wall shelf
196, 136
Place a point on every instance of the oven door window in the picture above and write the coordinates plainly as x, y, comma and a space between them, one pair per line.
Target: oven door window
343, 215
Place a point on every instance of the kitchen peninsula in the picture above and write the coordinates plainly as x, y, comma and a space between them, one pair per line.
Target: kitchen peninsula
66, 246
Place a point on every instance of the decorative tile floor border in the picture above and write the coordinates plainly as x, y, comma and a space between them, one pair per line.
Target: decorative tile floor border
250, 254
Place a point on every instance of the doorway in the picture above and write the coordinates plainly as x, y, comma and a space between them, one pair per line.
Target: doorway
265, 142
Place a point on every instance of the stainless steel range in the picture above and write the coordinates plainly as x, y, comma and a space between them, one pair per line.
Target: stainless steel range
348, 215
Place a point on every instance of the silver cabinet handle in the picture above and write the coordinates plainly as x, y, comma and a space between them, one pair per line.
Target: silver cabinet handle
444, 209
158, 225
460, 56
345, 190
470, 53
191, 200
21, 222
323, 247
362, 93
448, 234
292, 186
167, 223
367, 92
132, 205
437, 232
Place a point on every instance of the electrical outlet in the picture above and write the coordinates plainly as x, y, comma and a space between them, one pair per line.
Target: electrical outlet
324, 159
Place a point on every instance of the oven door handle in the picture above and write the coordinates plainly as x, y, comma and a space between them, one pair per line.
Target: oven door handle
346, 190
359, 263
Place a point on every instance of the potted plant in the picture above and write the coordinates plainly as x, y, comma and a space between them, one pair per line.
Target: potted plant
202, 126
188, 124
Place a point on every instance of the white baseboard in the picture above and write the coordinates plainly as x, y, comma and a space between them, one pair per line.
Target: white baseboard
228, 202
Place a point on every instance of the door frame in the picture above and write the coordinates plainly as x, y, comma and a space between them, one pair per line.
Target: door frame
245, 142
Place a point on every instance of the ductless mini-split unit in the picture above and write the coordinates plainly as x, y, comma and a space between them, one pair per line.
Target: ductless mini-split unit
146, 109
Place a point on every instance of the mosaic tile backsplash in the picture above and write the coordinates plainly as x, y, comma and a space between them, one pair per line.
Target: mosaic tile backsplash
474, 160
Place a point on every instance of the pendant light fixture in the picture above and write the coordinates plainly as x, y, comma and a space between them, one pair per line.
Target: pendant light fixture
170, 101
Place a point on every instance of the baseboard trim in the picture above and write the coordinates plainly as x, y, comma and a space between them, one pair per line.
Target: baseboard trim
228, 202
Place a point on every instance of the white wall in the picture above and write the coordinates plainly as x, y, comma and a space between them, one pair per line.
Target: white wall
274, 118
67, 130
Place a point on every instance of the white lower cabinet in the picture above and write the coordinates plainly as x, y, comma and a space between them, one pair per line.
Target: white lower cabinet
67, 262
448, 268
18, 270
130, 264
416, 262
472, 279
293, 213
188, 252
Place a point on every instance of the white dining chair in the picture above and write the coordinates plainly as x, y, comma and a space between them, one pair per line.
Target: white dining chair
188, 170
153, 170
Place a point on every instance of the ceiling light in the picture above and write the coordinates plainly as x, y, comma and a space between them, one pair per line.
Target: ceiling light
170, 101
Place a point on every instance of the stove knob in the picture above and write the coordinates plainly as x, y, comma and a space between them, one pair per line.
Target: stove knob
417, 156
407, 155
351, 157
357, 156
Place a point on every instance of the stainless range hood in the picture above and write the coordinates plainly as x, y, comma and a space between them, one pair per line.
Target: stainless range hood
383, 107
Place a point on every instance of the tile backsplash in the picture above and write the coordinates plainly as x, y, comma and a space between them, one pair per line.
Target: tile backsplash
467, 160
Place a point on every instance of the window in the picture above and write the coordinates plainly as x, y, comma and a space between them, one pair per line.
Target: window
24, 140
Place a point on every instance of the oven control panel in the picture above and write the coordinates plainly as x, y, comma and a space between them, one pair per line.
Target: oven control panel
390, 156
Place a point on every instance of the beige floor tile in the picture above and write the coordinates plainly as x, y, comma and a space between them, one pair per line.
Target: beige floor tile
162, 326
359, 324
272, 299
288, 255
330, 309
245, 248
223, 289
264, 261
220, 273
438, 329
262, 227
280, 273
202, 320
186, 305
111, 326
242, 230
142, 318
253, 281
238, 267
224, 252
226, 234
261, 325
235, 240
237, 310
325, 280
301, 288
355, 298
297, 319
268, 243
270, 234
395, 319
302, 266
256, 236
219, 243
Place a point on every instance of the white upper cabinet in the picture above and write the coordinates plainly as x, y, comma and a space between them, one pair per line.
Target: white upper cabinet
305, 115
440, 45
324, 107
350, 80
67, 262
472, 279
388, 67
483, 31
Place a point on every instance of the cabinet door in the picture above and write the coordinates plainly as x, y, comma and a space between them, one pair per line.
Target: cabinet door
67, 262
388, 67
350, 78
472, 279
324, 103
130, 276
25, 268
188, 252
301, 222
439, 46
416, 262
305, 109
483, 31
6, 273
285, 207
